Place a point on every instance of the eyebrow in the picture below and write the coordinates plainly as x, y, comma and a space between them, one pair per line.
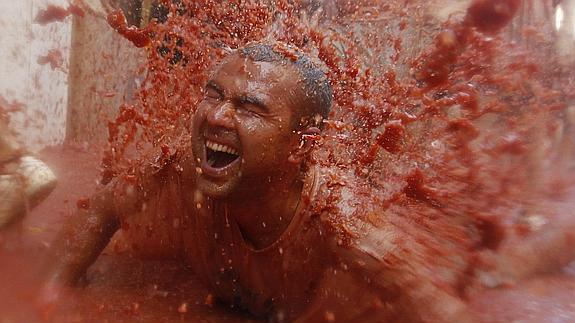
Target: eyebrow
253, 100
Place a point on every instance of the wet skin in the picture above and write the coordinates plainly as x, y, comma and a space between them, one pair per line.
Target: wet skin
248, 107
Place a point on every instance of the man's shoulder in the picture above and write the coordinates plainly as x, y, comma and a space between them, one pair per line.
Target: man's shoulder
340, 190
352, 215
342, 200
156, 170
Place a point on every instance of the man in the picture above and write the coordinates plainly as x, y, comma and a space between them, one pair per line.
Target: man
244, 207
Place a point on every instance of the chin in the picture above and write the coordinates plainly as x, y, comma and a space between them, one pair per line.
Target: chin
215, 190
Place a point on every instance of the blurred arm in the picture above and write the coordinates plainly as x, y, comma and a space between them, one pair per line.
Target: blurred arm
87, 233
82, 239
24, 180
369, 284
548, 249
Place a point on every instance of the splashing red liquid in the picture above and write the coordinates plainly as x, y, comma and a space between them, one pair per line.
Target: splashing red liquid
54, 58
444, 141
54, 13
440, 144
138, 37
492, 15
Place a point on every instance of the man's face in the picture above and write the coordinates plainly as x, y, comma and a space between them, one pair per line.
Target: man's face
242, 131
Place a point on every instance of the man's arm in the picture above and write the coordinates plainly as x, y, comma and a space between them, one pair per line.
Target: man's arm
375, 282
547, 249
87, 233
401, 293
82, 239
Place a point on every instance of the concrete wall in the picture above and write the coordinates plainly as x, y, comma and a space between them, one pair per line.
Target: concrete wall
105, 72
74, 101
43, 91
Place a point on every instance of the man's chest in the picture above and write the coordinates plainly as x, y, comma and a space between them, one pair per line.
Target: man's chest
277, 279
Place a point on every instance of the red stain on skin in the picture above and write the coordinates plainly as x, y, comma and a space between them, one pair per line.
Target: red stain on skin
83, 203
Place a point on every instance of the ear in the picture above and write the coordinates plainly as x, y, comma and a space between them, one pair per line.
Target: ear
307, 139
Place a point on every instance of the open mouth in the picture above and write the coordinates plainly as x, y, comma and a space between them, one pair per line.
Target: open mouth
219, 155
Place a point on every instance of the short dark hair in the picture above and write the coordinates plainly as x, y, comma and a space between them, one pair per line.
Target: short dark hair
317, 89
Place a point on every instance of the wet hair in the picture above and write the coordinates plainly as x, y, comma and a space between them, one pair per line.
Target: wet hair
318, 91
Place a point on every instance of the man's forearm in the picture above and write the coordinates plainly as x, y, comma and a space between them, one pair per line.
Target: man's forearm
81, 241
391, 284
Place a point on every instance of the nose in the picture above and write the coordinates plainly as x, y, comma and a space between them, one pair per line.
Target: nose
221, 115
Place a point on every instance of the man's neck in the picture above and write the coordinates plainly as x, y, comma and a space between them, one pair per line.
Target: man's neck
265, 215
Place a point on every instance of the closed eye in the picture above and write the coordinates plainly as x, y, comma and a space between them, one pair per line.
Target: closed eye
213, 91
212, 94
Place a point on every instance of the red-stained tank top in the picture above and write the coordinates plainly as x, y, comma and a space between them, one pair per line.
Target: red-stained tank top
279, 280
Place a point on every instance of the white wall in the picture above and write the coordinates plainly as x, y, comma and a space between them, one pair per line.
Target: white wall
42, 90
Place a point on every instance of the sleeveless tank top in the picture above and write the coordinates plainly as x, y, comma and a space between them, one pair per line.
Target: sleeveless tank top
279, 279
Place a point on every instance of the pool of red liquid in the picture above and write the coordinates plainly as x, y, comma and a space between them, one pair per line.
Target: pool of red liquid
122, 288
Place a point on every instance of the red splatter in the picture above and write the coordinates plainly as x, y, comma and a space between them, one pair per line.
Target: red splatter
491, 231
165, 150
390, 139
83, 203
384, 122
511, 144
10, 107
488, 16
138, 37
417, 190
54, 58
51, 14
54, 13
465, 130
76, 10
491, 15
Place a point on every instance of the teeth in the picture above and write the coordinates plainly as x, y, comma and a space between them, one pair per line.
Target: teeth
223, 148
